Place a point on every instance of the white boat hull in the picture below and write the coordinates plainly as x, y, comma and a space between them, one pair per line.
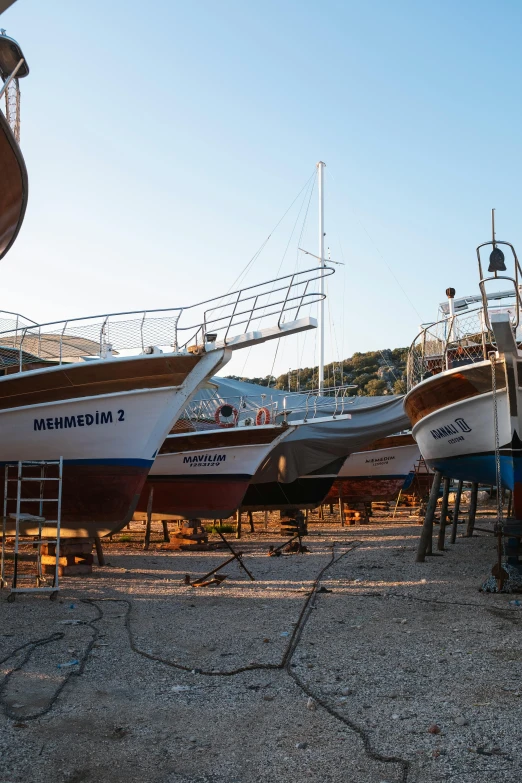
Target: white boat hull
108, 441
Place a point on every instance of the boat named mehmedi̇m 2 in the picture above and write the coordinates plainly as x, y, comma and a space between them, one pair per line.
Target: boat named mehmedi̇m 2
104, 392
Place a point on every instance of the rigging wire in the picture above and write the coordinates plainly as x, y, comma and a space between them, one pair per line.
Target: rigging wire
343, 312
388, 267
257, 254
273, 363
265, 242
299, 244
312, 180
333, 333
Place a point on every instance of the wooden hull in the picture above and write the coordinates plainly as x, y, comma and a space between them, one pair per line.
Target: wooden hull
454, 425
206, 474
306, 492
97, 498
365, 489
203, 497
14, 188
376, 473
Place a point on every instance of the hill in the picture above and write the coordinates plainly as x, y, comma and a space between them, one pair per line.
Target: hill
372, 373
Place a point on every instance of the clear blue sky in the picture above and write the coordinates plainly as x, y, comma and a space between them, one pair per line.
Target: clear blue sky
165, 139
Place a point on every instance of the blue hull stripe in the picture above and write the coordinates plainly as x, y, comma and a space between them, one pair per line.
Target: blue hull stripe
223, 477
141, 463
383, 477
481, 468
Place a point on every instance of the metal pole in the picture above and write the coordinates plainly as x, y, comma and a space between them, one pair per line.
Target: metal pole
146, 542
320, 173
425, 540
456, 510
443, 514
472, 510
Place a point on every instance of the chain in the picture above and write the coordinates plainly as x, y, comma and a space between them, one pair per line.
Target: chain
499, 523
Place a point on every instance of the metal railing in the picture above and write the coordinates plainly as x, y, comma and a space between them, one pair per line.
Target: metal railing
454, 341
242, 410
210, 322
235, 411
333, 402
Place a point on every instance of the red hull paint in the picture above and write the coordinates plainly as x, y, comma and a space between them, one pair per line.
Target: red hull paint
369, 490
97, 499
200, 498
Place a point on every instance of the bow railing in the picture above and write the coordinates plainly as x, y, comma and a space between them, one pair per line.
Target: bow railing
454, 341
209, 324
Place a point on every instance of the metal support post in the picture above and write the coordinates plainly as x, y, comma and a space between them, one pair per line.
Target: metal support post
456, 510
425, 540
472, 510
146, 542
443, 514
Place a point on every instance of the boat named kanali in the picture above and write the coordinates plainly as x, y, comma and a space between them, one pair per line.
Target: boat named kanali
465, 384
378, 472
78, 390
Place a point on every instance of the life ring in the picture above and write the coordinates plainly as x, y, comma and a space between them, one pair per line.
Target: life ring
263, 416
227, 411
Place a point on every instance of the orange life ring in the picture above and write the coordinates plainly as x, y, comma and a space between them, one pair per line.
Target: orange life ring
227, 410
263, 416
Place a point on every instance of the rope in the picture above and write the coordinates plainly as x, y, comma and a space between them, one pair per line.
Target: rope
261, 248
284, 665
31, 647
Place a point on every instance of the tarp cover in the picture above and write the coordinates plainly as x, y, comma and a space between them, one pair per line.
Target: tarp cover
320, 439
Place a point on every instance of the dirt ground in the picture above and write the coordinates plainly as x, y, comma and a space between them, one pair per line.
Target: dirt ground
350, 663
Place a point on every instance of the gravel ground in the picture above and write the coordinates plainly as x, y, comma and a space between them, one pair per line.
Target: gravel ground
269, 681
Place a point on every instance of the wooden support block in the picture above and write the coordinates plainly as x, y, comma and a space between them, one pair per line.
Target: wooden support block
188, 540
68, 560
84, 548
201, 536
69, 570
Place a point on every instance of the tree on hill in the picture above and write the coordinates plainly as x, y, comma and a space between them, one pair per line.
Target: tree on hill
372, 373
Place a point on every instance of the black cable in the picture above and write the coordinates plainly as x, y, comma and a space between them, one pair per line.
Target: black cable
284, 665
33, 645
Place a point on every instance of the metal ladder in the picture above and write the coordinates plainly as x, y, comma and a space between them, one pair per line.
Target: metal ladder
18, 472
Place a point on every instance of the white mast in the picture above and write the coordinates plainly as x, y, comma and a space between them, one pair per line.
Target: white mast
320, 172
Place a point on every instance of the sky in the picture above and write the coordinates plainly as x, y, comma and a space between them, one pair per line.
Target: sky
165, 140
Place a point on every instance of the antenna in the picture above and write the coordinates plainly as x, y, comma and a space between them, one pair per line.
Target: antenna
493, 226
320, 176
